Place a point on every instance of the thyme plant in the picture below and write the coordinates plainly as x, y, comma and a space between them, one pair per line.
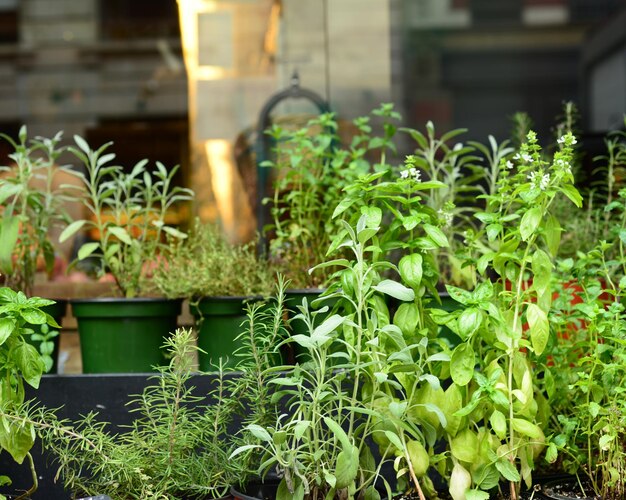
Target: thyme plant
206, 264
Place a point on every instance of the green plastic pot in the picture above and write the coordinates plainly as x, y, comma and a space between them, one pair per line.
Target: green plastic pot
124, 335
218, 322
57, 311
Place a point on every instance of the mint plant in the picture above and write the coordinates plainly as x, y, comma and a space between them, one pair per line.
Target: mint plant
29, 212
312, 167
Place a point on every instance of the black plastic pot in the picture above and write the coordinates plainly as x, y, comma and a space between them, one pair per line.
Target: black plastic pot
256, 490
559, 489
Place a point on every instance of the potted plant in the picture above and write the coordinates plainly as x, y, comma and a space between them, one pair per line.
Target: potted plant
505, 329
32, 207
312, 167
128, 219
179, 438
218, 278
19, 363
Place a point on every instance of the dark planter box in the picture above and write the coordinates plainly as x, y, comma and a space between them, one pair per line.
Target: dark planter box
77, 395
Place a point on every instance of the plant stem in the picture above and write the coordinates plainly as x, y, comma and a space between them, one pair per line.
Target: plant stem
33, 472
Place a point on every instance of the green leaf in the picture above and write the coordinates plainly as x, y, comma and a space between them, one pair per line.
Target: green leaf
17, 439
33, 316
498, 423
572, 193
508, 470
394, 440
542, 271
552, 234
70, 230
87, 249
29, 362
462, 364
300, 428
397, 409
395, 290
459, 295
7, 325
605, 441
539, 328
551, 453
241, 449
476, 495
8, 238
121, 234
347, 467
530, 222
407, 317
373, 216
339, 433
329, 325
437, 235
469, 321
410, 268
260, 433
174, 232
371, 494
528, 429
464, 446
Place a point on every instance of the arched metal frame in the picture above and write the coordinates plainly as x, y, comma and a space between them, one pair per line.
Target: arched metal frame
263, 141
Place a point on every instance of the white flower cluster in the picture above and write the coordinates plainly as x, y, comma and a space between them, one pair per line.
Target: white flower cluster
411, 173
524, 157
509, 164
447, 216
543, 180
568, 139
563, 165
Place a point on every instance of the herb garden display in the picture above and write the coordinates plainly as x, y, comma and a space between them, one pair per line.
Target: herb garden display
512, 389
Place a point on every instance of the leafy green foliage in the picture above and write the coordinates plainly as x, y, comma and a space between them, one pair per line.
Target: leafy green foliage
504, 325
19, 362
206, 264
28, 212
128, 213
313, 167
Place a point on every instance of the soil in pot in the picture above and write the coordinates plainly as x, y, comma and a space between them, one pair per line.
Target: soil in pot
568, 489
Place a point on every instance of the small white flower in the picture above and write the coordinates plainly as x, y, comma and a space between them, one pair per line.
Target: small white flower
545, 180
411, 173
532, 176
446, 216
574, 141
561, 140
527, 158
509, 164
517, 157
